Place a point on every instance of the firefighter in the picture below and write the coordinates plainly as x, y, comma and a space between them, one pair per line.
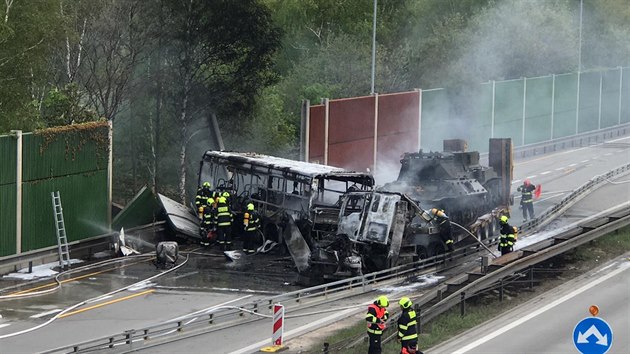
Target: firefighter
208, 221
407, 329
376, 316
224, 224
251, 223
446, 232
201, 199
527, 199
508, 236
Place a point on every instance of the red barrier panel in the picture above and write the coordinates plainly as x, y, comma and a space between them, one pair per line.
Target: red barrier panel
398, 120
351, 133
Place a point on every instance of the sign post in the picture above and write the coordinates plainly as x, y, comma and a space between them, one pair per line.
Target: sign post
277, 332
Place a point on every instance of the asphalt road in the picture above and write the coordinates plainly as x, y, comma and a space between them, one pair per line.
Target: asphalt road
545, 324
193, 289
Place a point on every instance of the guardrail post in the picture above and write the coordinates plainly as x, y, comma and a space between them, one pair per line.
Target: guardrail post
146, 334
179, 326
75, 349
129, 337
501, 290
462, 304
211, 319
326, 346
531, 279
418, 317
439, 295
255, 307
111, 342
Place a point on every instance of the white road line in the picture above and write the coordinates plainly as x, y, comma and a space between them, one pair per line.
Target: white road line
570, 151
573, 164
516, 181
529, 177
210, 308
46, 313
608, 154
297, 331
545, 173
560, 169
4, 325
521, 320
583, 161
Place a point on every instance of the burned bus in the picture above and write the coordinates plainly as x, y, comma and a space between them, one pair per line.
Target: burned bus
291, 196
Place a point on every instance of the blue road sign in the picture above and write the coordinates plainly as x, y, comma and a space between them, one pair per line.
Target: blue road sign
592, 335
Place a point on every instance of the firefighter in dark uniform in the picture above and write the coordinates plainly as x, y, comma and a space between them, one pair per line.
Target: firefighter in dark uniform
446, 233
224, 224
208, 221
508, 236
527, 198
201, 199
407, 329
376, 316
251, 223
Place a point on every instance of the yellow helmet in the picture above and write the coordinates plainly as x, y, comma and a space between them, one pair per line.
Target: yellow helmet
221, 200
405, 303
504, 219
382, 301
210, 201
206, 184
250, 206
226, 194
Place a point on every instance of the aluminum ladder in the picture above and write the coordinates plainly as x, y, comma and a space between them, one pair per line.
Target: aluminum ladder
62, 240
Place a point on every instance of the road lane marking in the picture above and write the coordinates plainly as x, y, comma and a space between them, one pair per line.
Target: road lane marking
516, 181
560, 169
545, 173
521, 320
46, 313
570, 151
608, 154
106, 303
534, 176
4, 325
209, 308
573, 164
584, 161
73, 279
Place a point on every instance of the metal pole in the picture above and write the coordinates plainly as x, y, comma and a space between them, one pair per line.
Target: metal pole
599, 113
326, 120
110, 174
580, 40
375, 132
492, 113
304, 130
462, 304
620, 92
524, 108
553, 102
577, 107
373, 47
18, 191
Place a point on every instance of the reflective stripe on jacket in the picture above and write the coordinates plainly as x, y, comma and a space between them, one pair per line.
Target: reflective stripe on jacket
224, 217
251, 221
407, 325
376, 317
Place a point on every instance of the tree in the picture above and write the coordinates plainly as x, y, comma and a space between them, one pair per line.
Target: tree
220, 55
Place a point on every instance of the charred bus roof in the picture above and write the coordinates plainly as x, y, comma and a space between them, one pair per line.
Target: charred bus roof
265, 164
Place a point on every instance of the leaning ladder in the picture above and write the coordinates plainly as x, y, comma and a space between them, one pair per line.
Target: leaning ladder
62, 240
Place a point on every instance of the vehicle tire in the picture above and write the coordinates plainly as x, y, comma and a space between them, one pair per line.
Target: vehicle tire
422, 252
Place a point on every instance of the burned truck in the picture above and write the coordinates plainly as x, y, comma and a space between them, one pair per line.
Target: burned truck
393, 225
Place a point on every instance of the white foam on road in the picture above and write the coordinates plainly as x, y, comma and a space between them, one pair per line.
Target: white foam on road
40, 271
39, 315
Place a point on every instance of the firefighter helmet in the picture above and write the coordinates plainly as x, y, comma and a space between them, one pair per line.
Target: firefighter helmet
504, 219
382, 301
405, 303
226, 194
206, 184
250, 206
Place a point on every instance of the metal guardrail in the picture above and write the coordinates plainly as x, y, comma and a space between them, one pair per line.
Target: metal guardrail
224, 317
567, 240
575, 196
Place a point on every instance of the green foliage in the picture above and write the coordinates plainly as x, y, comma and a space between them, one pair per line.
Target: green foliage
64, 106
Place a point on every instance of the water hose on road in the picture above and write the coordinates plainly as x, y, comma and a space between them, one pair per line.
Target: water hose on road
475, 237
94, 299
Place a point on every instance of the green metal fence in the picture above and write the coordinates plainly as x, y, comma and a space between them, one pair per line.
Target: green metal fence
73, 160
528, 110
